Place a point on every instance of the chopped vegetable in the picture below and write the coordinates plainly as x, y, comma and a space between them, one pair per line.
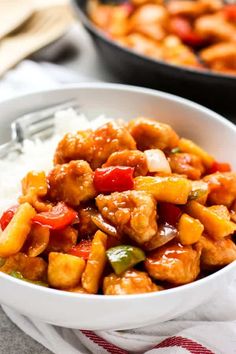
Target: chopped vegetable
221, 211
182, 28
64, 270
58, 218
157, 161
215, 225
113, 179
175, 150
199, 192
165, 189
219, 167
229, 12
190, 230
165, 234
7, 216
104, 226
124, 257
169, 213
95, 264
82, 250
16, 232
189, 146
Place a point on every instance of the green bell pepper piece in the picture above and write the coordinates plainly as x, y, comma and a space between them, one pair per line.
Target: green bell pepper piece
124, 257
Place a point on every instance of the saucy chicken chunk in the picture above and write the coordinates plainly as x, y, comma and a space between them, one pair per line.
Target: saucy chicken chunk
94, 146
132, 212
109, 138
76, 146
216, 254
176, 264
130, 282
132, 158
150, 134
222, 188
72, 183
186, 164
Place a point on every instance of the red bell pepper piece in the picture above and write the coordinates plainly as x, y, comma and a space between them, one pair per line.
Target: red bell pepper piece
59, 217
113, 179
7, 216
219, 167
82, 250
182, 28
169, 213
229, 12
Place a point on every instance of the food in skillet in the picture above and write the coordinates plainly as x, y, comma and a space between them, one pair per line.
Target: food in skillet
127, 208
196, 33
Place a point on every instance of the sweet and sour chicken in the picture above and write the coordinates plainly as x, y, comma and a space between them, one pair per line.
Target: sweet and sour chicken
197, 33
126, 209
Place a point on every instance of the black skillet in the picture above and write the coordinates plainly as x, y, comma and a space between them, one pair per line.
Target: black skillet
216, 91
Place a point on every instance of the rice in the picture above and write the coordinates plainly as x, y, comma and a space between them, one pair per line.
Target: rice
38, 155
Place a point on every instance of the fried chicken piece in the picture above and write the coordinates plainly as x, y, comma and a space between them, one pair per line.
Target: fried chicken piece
131, 158
215, 28
222, 187
174, 263
186, 164
78, 146
32, 268
149, 20
71, 183
192, 8
132, 212
110, 138
150, 134
216, 254
175, 52
142, 45
94, 147
130, 282
221, 57
112, 19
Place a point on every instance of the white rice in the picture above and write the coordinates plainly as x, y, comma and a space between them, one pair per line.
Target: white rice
38, 155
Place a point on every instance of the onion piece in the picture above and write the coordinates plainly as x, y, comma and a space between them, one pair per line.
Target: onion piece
103, 225
157, 161
165, 234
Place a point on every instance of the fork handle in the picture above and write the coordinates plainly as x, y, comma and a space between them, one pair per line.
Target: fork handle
8, 147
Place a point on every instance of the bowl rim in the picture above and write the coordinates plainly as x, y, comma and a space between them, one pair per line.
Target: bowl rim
133, 89
178, 68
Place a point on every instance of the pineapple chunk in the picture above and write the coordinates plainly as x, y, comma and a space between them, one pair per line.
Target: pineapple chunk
173, 189
95, 264
215, 225
16, 232
190, 229
64, 270
189, 146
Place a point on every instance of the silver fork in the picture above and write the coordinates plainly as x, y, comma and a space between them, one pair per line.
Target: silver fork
38, 124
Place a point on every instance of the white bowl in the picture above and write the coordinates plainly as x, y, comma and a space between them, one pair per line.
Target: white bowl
98, 312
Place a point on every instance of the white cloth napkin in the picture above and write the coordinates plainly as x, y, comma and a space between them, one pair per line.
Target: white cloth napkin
209, 329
